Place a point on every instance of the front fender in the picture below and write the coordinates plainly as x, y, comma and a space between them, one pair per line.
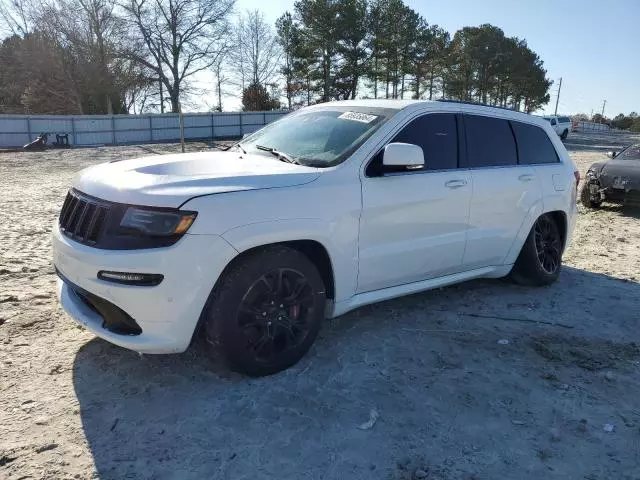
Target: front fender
340, 241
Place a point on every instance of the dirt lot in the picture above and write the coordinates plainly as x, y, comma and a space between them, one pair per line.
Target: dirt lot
452, 400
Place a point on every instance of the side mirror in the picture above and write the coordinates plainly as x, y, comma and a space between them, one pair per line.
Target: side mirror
403, 155
612, 154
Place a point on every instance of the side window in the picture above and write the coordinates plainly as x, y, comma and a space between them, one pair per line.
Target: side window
490, 142
534, 146
553, 121
436, 133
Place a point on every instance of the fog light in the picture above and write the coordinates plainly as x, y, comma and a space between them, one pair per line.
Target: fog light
127, 278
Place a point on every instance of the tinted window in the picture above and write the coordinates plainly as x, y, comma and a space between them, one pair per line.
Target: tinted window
437, 135
490, 142
564, 120
534, 145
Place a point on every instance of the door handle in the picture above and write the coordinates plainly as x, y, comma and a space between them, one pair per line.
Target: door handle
455, 184
525, 177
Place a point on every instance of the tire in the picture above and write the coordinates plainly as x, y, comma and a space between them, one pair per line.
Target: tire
540, 259
585, 197
564, 135
266, 311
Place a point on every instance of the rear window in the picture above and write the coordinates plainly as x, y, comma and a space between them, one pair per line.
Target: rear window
490, 142
534, 146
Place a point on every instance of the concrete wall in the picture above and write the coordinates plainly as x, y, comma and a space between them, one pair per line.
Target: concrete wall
17, 130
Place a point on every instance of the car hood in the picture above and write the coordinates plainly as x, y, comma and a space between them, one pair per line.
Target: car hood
627, 170
170, 180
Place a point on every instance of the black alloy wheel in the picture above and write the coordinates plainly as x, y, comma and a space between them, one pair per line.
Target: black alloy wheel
540, 259
273, 313
266, 310
548, 244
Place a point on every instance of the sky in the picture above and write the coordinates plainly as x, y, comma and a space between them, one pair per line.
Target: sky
594, 45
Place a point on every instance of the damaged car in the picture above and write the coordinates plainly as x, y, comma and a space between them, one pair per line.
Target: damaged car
616, 180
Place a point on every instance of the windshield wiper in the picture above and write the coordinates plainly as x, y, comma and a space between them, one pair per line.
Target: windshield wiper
237, 145
281, 155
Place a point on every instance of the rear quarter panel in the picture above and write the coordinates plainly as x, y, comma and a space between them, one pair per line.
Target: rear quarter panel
558, 185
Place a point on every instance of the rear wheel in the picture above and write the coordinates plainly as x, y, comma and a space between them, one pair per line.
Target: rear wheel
267, 311
540, 259
586, 198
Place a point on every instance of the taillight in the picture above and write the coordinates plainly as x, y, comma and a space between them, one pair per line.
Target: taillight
577, 175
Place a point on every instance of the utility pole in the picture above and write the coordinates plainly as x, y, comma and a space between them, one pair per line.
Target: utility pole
558, 96
604, 102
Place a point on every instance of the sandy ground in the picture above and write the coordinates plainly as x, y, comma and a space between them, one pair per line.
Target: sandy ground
450, 398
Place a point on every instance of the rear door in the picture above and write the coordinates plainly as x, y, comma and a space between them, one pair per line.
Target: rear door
413, 223
536, 151
503, 190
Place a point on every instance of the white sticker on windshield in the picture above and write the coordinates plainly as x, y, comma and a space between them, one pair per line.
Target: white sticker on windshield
358, 117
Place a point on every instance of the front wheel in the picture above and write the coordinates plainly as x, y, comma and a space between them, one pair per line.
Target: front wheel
267, 311
587, 199
564, 135
540, 259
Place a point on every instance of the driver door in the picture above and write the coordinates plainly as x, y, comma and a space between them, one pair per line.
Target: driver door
414, 222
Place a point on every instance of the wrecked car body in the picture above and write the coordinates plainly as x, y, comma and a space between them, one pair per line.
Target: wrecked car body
616, 180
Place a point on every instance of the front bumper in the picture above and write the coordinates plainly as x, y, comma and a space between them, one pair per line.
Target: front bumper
167, 313
621, 196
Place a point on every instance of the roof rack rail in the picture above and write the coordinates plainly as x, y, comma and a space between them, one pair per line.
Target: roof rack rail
464, 102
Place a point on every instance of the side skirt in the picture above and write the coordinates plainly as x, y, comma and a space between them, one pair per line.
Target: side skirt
366, 298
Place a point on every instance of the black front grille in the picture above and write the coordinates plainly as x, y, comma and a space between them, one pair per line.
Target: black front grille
83, 218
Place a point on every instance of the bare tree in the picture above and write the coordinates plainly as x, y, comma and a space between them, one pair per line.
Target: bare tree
93, 34
220, 73
176, 39
15, 16
256, 54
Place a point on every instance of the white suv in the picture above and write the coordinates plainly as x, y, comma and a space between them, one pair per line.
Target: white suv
332, 207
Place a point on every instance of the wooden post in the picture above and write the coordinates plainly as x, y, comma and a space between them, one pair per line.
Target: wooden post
181, 129
73, 130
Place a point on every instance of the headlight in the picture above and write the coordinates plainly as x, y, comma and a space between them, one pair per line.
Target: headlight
157, 222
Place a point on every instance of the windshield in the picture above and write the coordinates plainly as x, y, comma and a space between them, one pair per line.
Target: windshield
318, 137
630, 153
